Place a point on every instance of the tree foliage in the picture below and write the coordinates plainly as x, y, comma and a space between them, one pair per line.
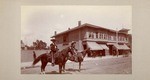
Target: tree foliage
37, 45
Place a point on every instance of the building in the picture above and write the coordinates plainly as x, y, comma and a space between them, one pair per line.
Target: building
100, 40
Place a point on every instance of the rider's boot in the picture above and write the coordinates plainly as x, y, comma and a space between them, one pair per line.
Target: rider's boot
53, 61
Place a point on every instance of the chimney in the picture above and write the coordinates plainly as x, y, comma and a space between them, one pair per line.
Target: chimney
68, 28
79, 23
55, 33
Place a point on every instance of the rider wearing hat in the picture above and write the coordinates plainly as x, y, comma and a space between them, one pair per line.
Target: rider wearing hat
73, 48
54, 49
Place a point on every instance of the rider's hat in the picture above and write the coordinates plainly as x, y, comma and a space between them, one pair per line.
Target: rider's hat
73, 42
53, 39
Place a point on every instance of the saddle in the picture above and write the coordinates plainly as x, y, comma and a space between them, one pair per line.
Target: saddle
51, 56
73, 57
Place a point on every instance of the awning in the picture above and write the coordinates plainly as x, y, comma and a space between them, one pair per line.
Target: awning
121, 47
125, 47
110, 43
94, 46
104, 46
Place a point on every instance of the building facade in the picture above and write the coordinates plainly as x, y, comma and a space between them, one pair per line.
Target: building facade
100, 40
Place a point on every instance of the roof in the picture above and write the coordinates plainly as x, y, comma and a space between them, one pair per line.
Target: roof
84, 25
123, 29
69, 30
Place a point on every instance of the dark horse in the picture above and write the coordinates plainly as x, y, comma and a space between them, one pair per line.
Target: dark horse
60, 59
79, 57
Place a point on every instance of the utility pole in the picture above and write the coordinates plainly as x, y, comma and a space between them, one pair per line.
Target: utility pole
117, 41
80, 42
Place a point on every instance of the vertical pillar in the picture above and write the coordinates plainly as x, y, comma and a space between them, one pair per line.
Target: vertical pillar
79, 41
117, 41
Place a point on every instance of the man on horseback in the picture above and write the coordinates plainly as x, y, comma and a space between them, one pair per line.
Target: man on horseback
72, 47
54, 49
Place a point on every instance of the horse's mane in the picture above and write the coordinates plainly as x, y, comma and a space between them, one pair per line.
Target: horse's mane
64, 51
84, 52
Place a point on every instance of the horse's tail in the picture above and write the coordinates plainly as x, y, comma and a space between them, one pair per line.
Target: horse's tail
37, 60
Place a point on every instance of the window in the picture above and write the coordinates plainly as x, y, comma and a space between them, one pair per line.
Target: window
90, 35
65, 39
103, 36
111, 37
100, 35
108, 37
126, 39
119, 38
96, 34
114, 38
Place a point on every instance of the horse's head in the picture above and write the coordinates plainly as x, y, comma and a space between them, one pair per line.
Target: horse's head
66, 51
86, 51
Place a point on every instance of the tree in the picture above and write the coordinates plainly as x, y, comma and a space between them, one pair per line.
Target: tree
34, 45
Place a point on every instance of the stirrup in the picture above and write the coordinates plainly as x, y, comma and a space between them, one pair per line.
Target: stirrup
76, 59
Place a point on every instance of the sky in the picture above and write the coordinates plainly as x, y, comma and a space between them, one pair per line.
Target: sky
40, 22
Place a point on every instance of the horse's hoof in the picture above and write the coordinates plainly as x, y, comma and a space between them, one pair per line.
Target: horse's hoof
41, 72
44, 72
79, 70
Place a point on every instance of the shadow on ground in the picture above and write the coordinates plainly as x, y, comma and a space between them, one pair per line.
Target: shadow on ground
74, 70
55, 72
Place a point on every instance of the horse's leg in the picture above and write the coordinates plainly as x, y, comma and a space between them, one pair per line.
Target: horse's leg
79, 66
41, 69
44, 65
64, 66
60, 68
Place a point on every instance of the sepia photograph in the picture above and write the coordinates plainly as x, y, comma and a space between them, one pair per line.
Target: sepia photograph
76, 39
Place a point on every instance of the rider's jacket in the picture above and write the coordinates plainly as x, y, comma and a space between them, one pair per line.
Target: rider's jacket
53, 47
74, 50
